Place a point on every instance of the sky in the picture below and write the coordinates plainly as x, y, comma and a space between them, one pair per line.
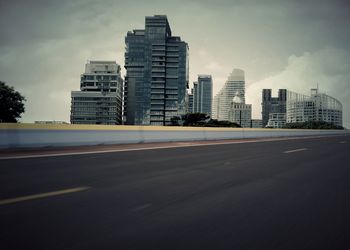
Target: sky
44, 45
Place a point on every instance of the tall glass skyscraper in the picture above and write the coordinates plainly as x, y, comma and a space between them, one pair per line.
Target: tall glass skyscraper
156, 79
203, 94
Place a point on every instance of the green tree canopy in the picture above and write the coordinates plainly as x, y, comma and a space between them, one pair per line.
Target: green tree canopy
194, 119
11, 103
200, 120
312, 125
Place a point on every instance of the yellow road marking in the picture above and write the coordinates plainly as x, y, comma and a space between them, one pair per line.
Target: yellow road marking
295, 150
42, 195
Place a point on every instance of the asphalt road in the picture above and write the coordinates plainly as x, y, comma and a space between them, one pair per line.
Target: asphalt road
292, 194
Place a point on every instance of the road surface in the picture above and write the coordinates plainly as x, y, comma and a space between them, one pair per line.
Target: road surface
290, 194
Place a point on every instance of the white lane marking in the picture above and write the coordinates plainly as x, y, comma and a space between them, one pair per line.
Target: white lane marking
42, 195
295, 150
342, 142
152, 148
136, 209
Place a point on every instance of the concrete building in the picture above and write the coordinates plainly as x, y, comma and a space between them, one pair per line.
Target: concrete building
272, 104
234, 87
156, 79
99, 100
50, 122
240, 113
203, 95
256, 123
316, 107
276, 120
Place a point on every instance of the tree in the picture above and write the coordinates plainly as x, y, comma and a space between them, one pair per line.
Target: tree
174, 121
194, 119
11, 103
312, 125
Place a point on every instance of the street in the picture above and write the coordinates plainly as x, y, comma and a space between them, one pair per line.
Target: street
290, 194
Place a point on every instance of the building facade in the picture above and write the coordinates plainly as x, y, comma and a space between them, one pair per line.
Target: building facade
276, 120
203, 95
272, 104
234, 87
156, 79
316, 107
241, 114
190, 102
99, 100
256, 123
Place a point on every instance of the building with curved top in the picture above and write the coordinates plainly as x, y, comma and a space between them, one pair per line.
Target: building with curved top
316, 107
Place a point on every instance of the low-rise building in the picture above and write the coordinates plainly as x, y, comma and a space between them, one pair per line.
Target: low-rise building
276, 120
316, 107
240, 113
256, 123
99, 100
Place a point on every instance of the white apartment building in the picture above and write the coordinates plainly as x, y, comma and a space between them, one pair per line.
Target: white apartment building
316, 107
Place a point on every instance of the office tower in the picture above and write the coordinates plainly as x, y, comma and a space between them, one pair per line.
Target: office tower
156, 79
216, 104
234, 87
99, 100
316, 107
276, 105
203, 94
190, 102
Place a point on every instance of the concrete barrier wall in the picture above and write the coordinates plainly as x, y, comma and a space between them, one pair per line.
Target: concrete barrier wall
44, 135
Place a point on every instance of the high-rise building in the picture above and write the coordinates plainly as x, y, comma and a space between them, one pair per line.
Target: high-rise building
156, 79
316, 107
276, 105
190, 102
99, 100
203, 94
234, 87
216, 104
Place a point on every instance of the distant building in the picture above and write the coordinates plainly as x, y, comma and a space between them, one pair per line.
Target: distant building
215, 106
272, 104
234, 87
240, 113
256, 123
99, 100
156, 79
50, 122
316, 107
190, 102
276, 120
203, 94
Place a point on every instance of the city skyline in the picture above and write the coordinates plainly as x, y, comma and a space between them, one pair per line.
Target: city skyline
42, 50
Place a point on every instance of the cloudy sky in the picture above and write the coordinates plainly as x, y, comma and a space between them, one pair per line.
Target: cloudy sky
279, 44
